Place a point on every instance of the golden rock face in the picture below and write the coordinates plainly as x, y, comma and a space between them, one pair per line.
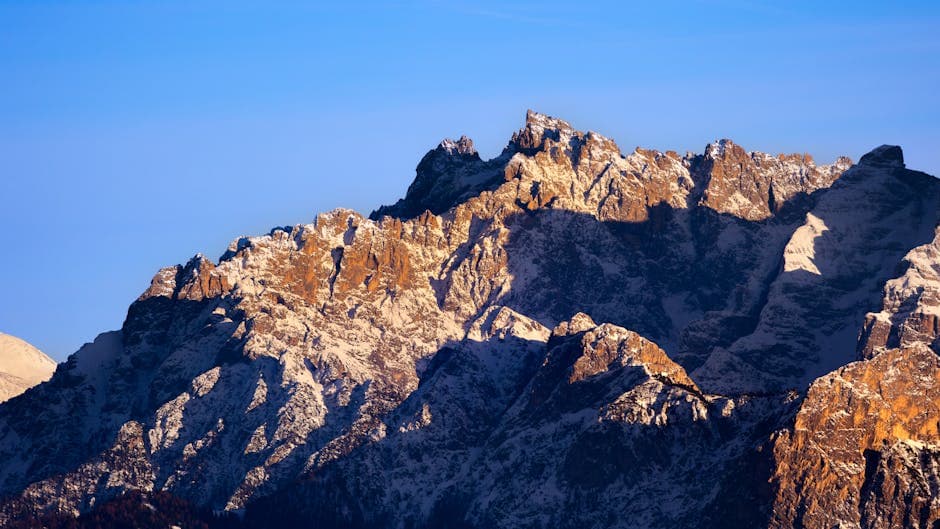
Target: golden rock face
608, 345
849, 419
753, 185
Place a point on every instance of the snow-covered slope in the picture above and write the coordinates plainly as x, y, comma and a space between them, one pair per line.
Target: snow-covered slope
565, 335
22, 366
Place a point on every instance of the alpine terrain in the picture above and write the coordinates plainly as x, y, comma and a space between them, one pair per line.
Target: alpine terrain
22, 366
566, 335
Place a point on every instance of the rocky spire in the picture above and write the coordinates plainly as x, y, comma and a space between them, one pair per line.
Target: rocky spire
538, 128
450, 172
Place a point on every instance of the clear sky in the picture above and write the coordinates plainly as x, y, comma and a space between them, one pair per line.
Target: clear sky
135, 134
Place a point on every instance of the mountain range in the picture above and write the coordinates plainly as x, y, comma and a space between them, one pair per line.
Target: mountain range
562, 336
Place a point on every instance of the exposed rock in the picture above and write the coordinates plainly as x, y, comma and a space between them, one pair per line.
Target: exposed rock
446, 176
911, 308
832, 270
884, 156
902, 486
400, 369
830, 468
607, 346
754, 186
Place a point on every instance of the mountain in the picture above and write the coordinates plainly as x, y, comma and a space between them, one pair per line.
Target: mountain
564, 335
22, 366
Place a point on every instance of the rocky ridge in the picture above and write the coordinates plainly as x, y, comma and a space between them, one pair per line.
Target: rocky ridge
441, 360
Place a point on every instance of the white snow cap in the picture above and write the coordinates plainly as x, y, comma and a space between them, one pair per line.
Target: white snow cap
20, 359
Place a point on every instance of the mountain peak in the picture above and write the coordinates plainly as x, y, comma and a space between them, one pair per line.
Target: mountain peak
402, 372
578, 323
539, 128
719, 148
22, 366
450, 172
550, 162
463, 146
537, 120
884, 156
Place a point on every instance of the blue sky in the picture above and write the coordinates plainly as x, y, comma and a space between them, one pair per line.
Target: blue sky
135, 134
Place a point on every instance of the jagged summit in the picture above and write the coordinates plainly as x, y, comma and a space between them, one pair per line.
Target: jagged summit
454, 172
557, 337
538, 121
446, 175
751, 185
462, 146
538, 128
717, 148
884, 156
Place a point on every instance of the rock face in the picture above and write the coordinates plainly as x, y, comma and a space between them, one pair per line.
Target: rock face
603, 420
22, 366
562, 336
903, 489
911, 305
863, 449
446, 176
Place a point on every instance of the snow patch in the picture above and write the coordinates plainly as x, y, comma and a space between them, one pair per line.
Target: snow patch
800, 253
